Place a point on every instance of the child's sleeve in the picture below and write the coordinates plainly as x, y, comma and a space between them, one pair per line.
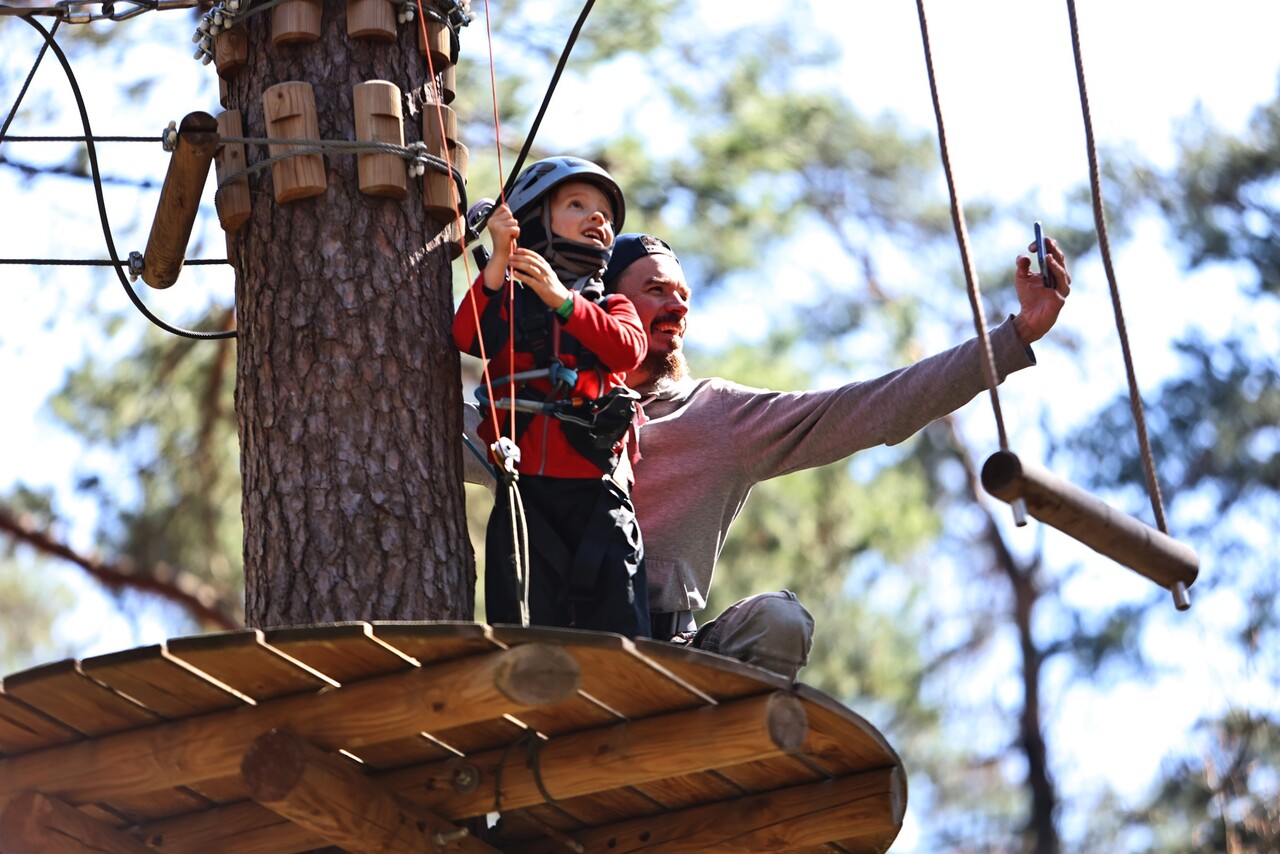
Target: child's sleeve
613, 332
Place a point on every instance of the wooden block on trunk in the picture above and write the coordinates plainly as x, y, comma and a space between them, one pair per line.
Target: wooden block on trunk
374, 20
295, 21
231, 200
438, 45
291, 114
380, 118
231, 51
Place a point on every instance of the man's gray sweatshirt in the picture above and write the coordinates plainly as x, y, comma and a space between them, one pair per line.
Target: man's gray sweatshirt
706, 442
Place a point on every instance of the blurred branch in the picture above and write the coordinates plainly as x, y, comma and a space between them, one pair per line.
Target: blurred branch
182, 588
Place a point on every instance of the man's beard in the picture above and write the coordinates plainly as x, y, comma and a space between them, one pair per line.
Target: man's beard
663, 368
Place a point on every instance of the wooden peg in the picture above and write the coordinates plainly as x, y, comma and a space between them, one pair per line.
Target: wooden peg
224, 93
231, 51
295, 21
1147, 551
232, 200
179, 200
436, 41
291, 114
374, 20
380, 118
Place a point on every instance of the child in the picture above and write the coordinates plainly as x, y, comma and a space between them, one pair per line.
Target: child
572, 348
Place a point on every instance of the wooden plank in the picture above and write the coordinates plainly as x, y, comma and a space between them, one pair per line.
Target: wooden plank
754, 777
245, 828
341, 651
63, 692
717, 675
613, 672
411, 750
22, 728
33, 823
144, 807
689, 790
436, 641
868, 805
331, 797
167, 686
244, 661
365, 712
613, 757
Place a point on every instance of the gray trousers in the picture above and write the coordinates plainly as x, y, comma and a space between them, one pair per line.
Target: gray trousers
769, 630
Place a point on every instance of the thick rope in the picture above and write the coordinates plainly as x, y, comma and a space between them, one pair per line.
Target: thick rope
1104, 247
962, 236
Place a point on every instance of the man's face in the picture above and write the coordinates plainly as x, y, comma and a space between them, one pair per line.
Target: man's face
655, 285
581, 212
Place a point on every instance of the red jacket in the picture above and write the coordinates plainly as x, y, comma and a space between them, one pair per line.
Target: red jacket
611, 331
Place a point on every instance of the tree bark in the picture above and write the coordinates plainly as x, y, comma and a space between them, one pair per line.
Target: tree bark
347, 394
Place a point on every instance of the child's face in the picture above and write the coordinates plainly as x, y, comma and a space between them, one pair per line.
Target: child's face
581, 212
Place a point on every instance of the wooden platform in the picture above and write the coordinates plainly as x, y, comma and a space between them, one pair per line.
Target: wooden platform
417, 736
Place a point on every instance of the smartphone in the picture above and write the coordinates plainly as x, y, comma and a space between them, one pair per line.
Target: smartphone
1044, 269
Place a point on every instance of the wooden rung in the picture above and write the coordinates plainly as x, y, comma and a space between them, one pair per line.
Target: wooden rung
1147, 551
179, 200
328, 795
33, 823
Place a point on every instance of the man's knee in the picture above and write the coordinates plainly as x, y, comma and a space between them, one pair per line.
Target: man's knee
771, 630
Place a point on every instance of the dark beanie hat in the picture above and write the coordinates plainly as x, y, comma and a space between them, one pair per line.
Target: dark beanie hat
629, 248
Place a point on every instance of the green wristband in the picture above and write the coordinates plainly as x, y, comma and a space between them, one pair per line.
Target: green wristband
566, 308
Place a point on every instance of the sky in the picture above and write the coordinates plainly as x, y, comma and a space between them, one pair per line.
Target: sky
1009, 96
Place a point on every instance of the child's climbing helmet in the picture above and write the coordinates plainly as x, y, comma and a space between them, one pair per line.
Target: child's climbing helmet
539, 179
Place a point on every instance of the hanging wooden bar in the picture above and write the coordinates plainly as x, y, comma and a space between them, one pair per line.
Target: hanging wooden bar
231, 200
179, 200
290, 109
1147, 551
373, 20
380, 118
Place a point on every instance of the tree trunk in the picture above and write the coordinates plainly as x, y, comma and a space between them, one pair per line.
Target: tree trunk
347, 392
